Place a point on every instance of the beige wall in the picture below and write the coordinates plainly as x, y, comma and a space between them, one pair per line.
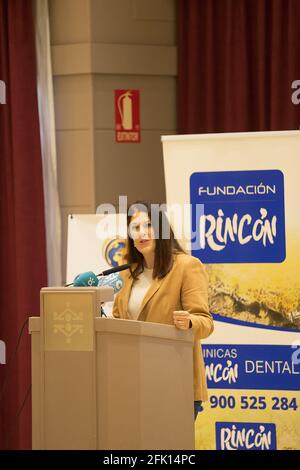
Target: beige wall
99, 46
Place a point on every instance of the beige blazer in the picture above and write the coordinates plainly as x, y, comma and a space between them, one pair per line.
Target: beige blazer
183, 288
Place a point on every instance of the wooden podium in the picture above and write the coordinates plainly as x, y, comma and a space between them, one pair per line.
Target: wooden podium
104, 383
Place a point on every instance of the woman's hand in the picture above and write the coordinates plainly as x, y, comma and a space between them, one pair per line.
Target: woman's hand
181, 319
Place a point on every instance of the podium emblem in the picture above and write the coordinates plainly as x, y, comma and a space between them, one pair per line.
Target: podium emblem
68, 322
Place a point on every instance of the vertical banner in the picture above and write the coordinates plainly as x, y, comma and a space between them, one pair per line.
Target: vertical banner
95, 242
127, 116
243, 222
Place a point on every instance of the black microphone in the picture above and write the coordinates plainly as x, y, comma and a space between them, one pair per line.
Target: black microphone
116, 269
89, 279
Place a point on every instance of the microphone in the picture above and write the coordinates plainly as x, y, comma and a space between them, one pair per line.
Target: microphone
113, 280
90, 279
116, 269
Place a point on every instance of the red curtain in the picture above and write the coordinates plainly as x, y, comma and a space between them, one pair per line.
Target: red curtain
22, 229
237, 62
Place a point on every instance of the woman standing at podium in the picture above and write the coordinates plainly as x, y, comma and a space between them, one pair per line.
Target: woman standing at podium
165, 285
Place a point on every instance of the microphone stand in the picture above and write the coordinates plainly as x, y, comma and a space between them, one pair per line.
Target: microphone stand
102, 313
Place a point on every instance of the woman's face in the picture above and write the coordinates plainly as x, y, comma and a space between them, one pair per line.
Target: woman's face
142, 233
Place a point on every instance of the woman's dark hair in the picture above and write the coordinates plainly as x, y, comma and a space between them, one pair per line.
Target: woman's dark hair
165, 247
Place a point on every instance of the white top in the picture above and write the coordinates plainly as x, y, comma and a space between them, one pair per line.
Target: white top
139, 289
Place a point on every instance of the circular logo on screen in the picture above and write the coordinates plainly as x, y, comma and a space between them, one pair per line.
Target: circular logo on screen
114, 251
